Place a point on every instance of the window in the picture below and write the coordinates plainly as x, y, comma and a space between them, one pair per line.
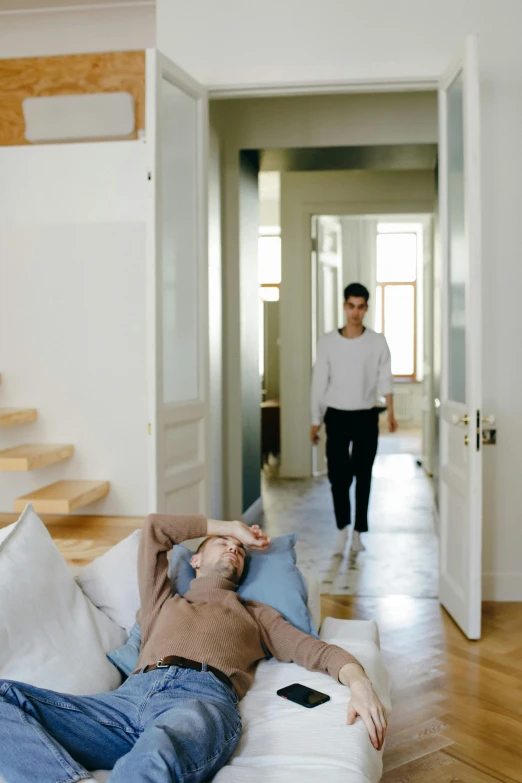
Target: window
396, 294
269, 267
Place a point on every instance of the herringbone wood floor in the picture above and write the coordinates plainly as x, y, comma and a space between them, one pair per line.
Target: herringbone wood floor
457, 705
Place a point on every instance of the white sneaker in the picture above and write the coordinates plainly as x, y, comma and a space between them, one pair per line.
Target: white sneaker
357, 545
342, 540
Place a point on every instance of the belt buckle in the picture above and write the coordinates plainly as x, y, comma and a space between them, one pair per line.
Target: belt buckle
161, 665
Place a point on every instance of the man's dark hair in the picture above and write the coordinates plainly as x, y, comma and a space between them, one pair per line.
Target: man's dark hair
203, 544
356, 289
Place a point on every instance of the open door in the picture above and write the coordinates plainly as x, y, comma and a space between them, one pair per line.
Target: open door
461, 394
327, 266
177, 288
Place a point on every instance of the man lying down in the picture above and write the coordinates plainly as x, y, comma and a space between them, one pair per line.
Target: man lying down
176, 717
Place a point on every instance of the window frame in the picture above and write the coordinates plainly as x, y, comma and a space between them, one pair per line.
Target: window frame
411, 378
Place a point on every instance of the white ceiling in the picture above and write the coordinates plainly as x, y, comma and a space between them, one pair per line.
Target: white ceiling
42, 5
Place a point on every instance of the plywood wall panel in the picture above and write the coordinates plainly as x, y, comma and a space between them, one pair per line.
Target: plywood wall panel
66, 75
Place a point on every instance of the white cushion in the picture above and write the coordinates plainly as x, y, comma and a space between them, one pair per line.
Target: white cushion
338, 631
281, 736
5, 531
285, 743
111, 581
50, 635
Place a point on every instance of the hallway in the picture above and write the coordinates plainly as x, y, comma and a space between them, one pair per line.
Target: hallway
402, 548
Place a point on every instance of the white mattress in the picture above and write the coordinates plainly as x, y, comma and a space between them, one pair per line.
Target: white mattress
284, 743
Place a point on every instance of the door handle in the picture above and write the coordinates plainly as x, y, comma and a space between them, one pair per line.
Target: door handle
456, 419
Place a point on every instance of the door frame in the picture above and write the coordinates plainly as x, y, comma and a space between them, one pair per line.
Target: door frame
413, 83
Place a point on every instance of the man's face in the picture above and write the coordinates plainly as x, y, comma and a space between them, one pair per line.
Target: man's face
222, 556
355, 308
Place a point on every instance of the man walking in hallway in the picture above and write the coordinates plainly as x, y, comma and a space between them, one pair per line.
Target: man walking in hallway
352, 365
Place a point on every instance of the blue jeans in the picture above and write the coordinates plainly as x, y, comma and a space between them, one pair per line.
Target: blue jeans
164, 725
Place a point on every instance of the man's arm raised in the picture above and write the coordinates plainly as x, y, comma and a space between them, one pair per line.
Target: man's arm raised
160, 533
251, 537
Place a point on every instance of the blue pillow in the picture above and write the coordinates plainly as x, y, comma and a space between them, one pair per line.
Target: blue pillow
125, 658
270, 577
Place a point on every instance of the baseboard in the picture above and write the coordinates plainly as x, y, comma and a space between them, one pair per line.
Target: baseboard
502, 587
253, 514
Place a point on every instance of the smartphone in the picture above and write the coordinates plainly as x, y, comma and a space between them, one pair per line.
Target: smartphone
302, 695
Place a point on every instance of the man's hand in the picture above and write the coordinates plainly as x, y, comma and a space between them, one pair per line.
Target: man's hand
314, 434
252, 537
365, 703
392, 422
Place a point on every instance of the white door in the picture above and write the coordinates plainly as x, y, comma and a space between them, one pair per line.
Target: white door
327, 263
461, 397
177, 297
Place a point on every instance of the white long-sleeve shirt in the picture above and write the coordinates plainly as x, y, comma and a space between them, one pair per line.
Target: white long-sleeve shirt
349, 372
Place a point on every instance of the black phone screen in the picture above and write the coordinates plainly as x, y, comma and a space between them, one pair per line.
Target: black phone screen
301, 694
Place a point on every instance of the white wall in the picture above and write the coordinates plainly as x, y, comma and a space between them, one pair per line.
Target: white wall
332, 40
269, 199
72, 314
304, 194
329, 120
77, 30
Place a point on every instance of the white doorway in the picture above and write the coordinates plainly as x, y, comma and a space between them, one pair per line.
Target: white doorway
297, 328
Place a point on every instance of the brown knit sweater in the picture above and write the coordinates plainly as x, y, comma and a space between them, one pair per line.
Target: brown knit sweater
211, 623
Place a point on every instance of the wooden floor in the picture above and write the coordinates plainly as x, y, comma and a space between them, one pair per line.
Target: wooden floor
457, 705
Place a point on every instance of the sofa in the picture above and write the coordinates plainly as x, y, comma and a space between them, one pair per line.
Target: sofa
58, 623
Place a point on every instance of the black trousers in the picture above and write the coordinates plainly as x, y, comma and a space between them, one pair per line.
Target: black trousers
351, 446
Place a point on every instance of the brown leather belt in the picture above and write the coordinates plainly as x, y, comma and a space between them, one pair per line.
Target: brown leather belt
185, 663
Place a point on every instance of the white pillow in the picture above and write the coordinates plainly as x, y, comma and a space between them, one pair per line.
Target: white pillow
111, 581
5, 531
50, 635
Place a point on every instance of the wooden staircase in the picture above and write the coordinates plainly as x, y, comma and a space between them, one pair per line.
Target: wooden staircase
9, 417
34, 456
62, 497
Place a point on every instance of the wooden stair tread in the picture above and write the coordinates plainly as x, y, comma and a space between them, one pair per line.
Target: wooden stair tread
64, 497
32, 456
11, 416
